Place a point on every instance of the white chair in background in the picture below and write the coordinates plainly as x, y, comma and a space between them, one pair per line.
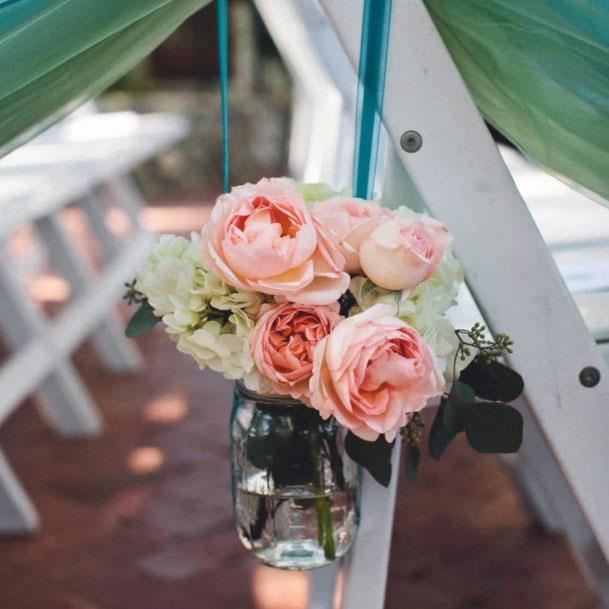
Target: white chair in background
460, 177
85, 160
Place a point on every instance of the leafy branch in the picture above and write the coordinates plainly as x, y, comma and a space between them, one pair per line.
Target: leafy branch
132, 295
475, 338
144, 318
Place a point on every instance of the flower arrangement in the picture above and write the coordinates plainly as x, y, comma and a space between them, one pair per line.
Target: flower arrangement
337, 302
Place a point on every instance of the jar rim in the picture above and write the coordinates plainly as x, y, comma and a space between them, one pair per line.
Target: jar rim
274, 399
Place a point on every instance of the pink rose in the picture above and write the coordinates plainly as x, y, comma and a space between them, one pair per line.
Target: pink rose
371, 372
351, 221
283, 342
262, 238
403, 252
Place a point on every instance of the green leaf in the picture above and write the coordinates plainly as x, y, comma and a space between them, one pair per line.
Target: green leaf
462, 392
439, 436
411, 464
453, 418
373, 456
142, 321
461, 395
492, 427
492, 381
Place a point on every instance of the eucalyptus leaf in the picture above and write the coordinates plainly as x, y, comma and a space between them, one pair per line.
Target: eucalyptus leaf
462, 392
456, 405
373, 456
453, 418
439, 436
492, 381
411, 462
143, 320
493, 427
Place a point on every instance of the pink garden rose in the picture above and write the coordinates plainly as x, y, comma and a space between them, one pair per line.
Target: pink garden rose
262, 238
283, 342
351, 221
371, 371
403, 252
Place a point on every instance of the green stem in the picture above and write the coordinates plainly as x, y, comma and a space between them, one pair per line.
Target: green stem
323, 504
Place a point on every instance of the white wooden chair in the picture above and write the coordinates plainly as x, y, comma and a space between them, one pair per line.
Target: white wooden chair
462, 179
84, 160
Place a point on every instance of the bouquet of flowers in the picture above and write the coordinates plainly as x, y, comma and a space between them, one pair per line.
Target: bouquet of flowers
339, 303
335, 309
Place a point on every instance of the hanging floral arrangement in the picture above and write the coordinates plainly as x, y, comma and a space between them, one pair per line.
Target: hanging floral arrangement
336, 307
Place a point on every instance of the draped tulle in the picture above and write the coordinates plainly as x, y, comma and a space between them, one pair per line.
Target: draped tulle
539, 72
55, 54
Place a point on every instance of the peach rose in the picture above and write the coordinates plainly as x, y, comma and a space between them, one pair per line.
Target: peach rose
283, 342
371, 371
262, 238
351, 221
403, 252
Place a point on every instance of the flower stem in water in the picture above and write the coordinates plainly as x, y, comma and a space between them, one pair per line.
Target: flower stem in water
323, 504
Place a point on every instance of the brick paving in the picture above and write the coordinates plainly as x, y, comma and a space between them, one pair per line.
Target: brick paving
140, 518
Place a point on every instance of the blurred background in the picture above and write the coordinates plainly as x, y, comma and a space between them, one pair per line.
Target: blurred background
139, 517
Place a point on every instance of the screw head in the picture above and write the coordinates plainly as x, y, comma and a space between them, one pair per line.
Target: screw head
589, 376
411, 141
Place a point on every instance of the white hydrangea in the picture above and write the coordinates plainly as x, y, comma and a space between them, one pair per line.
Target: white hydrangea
215, 346
208, 319
436, 295
181, 319
169, 273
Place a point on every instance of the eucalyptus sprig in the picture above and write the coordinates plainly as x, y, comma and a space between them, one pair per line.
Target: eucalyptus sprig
475, 338
412, 434
144, 318
474, 405
414, 430
132, 295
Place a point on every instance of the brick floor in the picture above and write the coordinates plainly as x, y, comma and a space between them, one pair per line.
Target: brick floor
140, 518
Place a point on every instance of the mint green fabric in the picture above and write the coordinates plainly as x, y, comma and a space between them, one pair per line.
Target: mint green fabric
56, 54
539, 72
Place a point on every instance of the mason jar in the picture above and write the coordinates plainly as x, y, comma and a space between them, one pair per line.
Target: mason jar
295, 491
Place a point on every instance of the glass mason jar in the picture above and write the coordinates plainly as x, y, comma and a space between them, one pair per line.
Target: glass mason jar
294, 489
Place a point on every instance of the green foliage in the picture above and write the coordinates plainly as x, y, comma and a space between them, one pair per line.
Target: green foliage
493, 427
373, 456
132, 295
489, 350
142, 321
492, 381
411, 462
439, 436
490, 427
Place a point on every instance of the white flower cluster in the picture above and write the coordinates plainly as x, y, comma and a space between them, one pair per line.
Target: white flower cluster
209, 320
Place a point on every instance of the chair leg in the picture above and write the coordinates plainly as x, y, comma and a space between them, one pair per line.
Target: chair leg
66, 404
17, 514
117, 352
322, 587
63, 397
94, 208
